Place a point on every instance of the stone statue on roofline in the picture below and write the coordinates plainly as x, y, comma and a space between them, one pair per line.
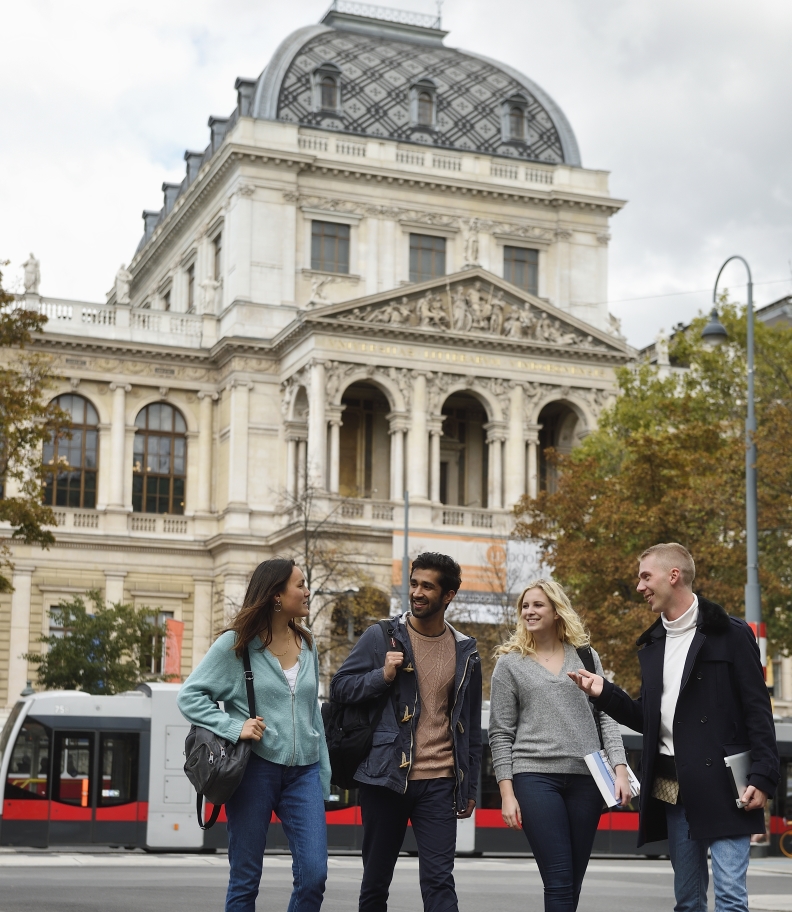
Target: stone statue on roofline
32, 278
123, 280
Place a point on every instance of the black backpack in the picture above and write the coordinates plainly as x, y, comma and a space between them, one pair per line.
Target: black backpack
349, 727
214, 765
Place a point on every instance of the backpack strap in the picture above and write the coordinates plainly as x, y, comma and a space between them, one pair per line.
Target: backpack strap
587, 658
391, 644
251, 696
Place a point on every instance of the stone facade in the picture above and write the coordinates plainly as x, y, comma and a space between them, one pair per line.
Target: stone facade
353, 374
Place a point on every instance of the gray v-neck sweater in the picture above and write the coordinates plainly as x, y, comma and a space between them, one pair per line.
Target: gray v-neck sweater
541, 722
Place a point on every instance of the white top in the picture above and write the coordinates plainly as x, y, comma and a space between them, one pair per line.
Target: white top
679, 636
291, 674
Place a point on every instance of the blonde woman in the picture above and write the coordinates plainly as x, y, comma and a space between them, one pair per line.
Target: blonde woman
541, 727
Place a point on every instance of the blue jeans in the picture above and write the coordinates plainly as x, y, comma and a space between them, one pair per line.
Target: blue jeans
560, 815
295, 794
689, 859
429, 805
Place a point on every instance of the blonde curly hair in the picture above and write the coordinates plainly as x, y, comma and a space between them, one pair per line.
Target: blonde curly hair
568, 623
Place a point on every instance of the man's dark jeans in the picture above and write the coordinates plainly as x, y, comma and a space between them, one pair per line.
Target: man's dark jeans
429, 804
560, 814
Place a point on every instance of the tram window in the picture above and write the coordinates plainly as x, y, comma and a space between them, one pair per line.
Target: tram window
119, 766
28, 768
71, 772
10, 722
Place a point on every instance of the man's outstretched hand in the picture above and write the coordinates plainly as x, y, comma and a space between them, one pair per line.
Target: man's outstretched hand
590, 684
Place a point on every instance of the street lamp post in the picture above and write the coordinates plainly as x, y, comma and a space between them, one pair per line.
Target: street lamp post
714, 334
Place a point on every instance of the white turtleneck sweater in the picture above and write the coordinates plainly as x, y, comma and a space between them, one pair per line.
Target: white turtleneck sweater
679, 636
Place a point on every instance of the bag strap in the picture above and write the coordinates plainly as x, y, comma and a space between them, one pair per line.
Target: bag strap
251, 696
199, 812
386, 626
587, 658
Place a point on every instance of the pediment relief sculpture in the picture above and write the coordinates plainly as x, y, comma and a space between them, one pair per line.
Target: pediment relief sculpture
475, 307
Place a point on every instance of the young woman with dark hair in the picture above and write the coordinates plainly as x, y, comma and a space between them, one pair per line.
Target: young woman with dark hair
289, 770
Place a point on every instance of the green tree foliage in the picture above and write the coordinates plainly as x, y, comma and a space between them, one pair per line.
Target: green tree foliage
667, 463
104, 650
26, 421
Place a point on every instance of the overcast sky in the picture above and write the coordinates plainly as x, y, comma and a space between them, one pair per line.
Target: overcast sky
685, 102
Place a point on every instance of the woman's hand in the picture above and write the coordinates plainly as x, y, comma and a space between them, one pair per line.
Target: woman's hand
253, 729
623, 791
510, 808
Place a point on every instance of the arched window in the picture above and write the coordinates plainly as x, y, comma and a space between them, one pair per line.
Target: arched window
329, 87
70, 463
517, 122
160, 460
425, 109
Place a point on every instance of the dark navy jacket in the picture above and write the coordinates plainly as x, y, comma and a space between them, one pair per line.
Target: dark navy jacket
723, 708
361, 678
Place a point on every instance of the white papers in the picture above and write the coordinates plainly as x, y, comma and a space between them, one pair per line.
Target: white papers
602, 771
739, 765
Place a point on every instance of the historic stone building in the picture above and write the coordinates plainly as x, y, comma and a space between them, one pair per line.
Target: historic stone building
387, 271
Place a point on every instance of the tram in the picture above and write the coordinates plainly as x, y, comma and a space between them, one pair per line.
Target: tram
85, 770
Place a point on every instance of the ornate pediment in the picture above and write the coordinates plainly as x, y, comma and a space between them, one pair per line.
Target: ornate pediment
475, 304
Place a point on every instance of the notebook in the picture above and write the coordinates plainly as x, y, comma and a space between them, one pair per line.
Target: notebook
739, 765
603, 774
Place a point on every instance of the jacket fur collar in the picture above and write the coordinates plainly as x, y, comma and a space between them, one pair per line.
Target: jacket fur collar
712, 619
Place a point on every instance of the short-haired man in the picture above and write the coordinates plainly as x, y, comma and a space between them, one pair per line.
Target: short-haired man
703, 697
426, 753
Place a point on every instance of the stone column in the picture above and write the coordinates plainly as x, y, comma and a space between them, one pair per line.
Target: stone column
515, 448
302, 465
114, 586
237, 516
289, 268
317, 427
372, 255
19, 635
418, 456
234, 586
435, 426
202, 618
397, 427
203, 499
334, 418
291, 466
118, 445
238, 244
533, 459
496, 434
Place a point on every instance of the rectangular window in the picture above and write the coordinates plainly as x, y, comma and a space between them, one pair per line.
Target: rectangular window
521, 268
28, 768
330, 247
217, 245
154, 661
427, 257
71, 774
119, 767
191, 289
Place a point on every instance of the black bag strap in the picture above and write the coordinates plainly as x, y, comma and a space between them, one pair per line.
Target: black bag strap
587, 658
391, 644
199, 811
249, 684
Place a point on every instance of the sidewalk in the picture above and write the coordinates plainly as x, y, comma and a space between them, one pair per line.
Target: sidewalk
770, 902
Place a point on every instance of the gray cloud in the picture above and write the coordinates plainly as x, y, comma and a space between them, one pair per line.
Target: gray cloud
686, 104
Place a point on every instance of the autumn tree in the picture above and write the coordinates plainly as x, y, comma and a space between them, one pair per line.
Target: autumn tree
667, 463
26, 421
104, 650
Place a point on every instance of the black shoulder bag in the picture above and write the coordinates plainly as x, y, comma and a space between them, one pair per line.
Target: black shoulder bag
587, 658
349, 727
214, 765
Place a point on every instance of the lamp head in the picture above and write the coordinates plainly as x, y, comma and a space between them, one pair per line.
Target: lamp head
714, 333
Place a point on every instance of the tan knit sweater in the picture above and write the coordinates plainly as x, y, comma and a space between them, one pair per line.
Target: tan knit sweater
435, 665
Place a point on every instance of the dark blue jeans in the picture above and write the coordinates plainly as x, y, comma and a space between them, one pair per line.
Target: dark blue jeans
560, 814
295, 794
429, 804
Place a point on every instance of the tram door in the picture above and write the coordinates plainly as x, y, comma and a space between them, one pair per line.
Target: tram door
94, 788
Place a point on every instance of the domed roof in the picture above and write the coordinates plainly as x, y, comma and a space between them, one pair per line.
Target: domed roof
380, 67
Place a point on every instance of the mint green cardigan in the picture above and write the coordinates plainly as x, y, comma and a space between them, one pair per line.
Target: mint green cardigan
294, 735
